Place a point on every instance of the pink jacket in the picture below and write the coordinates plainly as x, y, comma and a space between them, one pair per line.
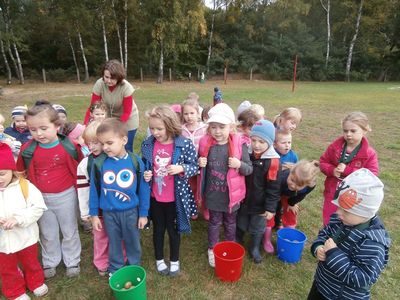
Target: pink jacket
196, 135
365, 158
236, 182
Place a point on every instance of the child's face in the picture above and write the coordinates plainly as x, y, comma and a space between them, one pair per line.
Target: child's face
190, 114
42, 130
352, 133
5, 178
283, 144
158, 130
258, 145
113, 144
62, 117
350, 219
98, 114
292, 183
20, 122
288, 125
220, 132
94, 146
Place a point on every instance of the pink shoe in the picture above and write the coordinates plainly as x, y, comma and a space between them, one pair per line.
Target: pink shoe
268, 247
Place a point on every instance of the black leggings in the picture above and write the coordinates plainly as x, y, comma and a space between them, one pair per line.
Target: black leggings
163, 215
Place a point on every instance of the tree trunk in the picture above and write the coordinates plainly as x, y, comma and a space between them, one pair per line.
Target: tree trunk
210, 40
13, 61
84, 58
3, 53
78, 75
104, 35
118, 33
327, 8
161, 64
19, 65
353, 41
126, 37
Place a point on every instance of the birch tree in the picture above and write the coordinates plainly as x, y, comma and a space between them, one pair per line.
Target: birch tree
326, 5
78, 76
3, 53
118, 32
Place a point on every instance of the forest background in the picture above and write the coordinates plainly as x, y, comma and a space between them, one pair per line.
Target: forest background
70, 39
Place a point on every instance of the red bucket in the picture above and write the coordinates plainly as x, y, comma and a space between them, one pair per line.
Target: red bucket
228, 260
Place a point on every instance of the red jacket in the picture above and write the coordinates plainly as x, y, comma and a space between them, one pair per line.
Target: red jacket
365, 158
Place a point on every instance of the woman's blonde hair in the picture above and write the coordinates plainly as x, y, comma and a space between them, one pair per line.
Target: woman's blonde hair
305, 172
358, 118
168, 117
290, 113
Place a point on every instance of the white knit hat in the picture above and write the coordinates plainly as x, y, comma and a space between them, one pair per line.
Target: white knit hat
243, 106
221, 113
360, 193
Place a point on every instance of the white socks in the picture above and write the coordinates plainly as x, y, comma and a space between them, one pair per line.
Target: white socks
161, 266
174, 266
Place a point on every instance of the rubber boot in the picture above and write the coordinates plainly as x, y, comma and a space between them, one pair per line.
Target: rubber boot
239, 235
268, 247
255, 247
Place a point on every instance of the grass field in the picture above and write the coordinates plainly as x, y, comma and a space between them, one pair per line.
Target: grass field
323, 106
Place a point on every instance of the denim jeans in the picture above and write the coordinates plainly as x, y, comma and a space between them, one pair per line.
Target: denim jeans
131, 139
122, 227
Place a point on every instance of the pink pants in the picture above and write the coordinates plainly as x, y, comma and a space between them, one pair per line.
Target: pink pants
100, 248
13, 281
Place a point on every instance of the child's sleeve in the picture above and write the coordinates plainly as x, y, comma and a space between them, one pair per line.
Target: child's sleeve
300, 195
190, 165
360, 270
327, 162
35, 207
143, 193
324, 234
246, 166
83, 187
94, 197
272, 193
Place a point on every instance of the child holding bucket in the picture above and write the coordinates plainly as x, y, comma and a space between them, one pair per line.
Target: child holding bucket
346, 154
224, 161
295, 184
170, 161
262, 187
353, 249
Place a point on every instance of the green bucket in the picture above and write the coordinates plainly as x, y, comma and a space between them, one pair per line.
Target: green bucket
136, 275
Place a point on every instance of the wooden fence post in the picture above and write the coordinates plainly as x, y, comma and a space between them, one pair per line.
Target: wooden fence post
170, 75
225, 74
251, 74
44, 75
141, 74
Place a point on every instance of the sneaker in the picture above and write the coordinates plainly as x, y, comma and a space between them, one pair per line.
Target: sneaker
49, 272
211, 258
102, 272
162, 267
73, 271
41, 290
23, 297
174, 269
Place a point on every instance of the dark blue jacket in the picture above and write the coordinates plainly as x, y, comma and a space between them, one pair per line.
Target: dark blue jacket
22, 137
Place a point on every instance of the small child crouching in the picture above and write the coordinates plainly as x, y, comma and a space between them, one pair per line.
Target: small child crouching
353, 248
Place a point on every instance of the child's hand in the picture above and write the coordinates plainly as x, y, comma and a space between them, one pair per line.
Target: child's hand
337, 172
267, 215
142, 222
85, 219
295, 208
329, 244
202, 162
9, 223
147, 175
96, 223
321, 256
175, 169
234, 163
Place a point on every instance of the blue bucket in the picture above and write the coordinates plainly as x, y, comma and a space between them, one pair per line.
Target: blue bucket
290, 244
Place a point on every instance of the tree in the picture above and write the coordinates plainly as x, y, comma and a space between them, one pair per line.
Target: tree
327, 7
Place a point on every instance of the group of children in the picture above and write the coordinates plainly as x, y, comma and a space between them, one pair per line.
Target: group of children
237, 171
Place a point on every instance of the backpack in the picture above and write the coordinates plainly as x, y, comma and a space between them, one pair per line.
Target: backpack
99, 161
27, 153
24, 184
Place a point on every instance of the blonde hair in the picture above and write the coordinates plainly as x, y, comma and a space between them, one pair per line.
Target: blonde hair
98, 105
193, 95
281, 133
191, 102
168, 117
2, 119
114, 125
290, 113
358, 118
258, 109
305, 172
89, 134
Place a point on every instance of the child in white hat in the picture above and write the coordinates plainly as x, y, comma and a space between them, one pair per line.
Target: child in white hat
353, 248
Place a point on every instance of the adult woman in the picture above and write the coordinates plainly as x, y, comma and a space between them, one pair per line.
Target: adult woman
116, 93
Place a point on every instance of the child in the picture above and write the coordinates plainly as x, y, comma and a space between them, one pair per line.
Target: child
204, 113
217, 96
7, 139
98, 111
225, 161
100, 238
247, 119
353, 249
288, 120
170, 161
262, 188
50, 161
244, 105
345, 155
296, 183
117, 187
283, 145
62, 114
18, 128
21, 206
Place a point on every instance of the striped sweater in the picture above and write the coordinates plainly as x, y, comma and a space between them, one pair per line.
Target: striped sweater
356, 263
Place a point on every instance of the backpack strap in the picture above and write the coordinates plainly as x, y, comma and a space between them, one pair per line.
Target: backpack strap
136, 165
27, 153
24, 187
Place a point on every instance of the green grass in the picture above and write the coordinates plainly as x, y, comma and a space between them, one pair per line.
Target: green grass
323, 106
